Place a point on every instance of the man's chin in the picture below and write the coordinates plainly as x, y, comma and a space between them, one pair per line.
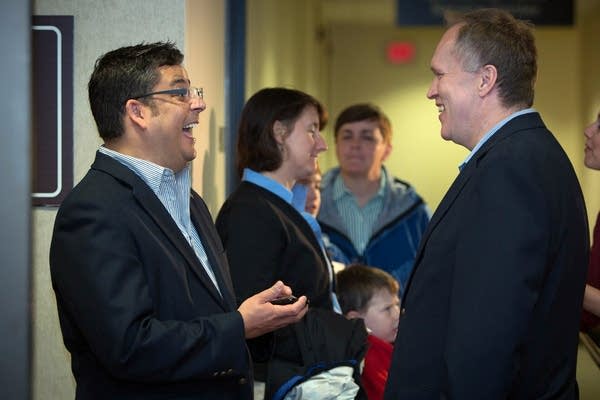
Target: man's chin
191, 155
446, 135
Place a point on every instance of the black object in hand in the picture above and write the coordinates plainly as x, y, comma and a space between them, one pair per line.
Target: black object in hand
284, 300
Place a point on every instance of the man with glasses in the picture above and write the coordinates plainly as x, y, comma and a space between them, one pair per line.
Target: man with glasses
142, 284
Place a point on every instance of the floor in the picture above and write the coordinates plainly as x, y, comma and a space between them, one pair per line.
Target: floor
588, 375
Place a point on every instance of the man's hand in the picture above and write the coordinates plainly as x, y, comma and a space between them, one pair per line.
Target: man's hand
260, 316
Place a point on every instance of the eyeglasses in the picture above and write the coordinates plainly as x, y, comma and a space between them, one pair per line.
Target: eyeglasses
184, 94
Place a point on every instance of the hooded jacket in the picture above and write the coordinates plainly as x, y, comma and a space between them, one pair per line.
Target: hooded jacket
394, 241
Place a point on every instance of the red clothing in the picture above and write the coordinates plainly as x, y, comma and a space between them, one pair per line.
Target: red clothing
377, 365
589, 320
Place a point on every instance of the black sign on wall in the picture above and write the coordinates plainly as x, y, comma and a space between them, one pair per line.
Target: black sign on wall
431, 12
52, 104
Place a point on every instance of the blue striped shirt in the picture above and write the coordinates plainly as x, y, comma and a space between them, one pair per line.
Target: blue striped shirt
491, 133
359, 221
173, 191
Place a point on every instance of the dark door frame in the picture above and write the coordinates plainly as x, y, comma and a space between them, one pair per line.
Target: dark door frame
235, 83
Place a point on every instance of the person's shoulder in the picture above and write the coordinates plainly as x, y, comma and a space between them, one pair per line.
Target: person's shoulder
400, 188
246, 192
249, 201
96, 185
379, 345
523, 141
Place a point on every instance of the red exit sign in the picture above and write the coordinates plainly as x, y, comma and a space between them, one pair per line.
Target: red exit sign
400, 52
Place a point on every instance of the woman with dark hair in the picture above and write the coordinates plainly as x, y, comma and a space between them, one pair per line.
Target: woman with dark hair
265, 236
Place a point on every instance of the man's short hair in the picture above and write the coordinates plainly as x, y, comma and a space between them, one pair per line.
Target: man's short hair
365, 112
122, 74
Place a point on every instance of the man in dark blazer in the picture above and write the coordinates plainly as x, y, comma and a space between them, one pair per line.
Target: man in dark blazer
144, 295
491, 310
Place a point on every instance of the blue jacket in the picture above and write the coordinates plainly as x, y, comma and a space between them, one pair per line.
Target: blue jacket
396, 234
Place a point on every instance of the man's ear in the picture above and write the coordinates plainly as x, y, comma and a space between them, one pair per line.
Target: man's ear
136, 111
388, 151
488, 77
279, 131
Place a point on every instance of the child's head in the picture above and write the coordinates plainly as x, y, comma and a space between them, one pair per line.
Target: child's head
371, 294
313, 192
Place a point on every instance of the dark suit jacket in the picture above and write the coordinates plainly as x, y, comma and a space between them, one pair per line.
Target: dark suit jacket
492, 308
266, 239
138, 313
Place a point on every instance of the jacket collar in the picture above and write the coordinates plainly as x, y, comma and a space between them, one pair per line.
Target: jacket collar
148, 201
514, 126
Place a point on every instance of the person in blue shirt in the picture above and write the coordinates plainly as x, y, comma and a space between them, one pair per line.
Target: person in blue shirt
367, 215
265, 235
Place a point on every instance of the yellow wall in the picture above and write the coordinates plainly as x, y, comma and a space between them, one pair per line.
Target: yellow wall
347, 59
360, 72
205, 63
282, 45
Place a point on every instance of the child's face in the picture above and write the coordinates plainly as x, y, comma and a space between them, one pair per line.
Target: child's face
313, 193
382, 315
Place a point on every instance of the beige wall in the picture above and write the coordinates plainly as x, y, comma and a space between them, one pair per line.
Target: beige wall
100, 26
349, 56
205, 62
283, 45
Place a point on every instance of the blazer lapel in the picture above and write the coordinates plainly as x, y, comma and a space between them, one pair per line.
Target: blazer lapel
152, 205
449, 198
511, 127
162, 218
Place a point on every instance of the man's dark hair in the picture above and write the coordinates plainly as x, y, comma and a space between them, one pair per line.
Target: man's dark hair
365, 112
122, 74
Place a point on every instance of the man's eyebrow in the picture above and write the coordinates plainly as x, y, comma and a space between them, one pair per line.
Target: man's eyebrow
180, 80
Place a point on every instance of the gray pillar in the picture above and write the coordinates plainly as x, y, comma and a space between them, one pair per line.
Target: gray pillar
15, 200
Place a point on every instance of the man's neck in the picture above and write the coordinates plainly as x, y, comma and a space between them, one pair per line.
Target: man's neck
488, 118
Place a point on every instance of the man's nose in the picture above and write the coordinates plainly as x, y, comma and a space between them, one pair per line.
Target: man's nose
197, 104
321, 144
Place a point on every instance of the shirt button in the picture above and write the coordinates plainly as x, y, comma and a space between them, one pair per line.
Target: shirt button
403, 311
242, 381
